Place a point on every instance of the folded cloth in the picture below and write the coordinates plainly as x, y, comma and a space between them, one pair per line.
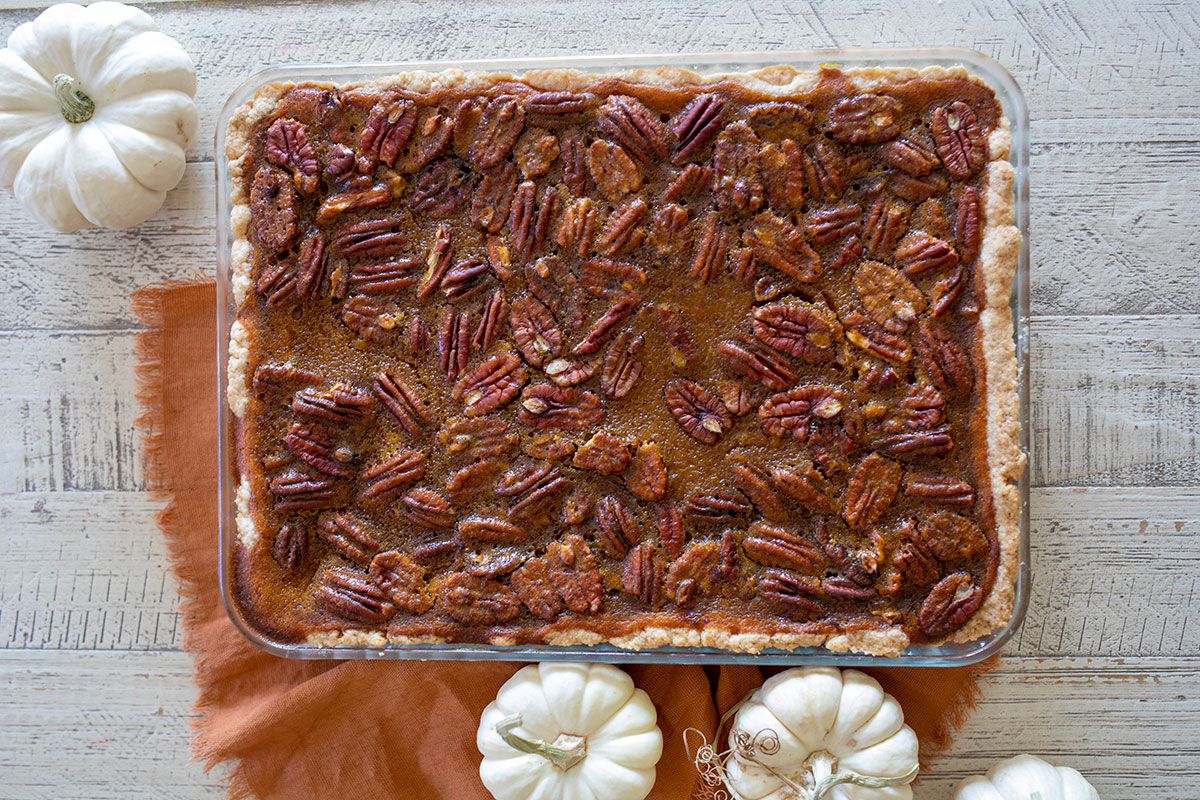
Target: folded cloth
287, 729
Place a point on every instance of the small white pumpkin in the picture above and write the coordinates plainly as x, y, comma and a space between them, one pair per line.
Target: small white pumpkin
96, 113
1026, 777
816, 732
569, 731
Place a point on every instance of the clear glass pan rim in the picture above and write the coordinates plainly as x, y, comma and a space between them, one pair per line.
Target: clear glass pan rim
1015, 110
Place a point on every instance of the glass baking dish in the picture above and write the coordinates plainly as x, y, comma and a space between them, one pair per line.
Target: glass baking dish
1013, 103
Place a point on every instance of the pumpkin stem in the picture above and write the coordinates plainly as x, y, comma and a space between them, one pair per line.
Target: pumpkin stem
72, 102
564, 752
830, 781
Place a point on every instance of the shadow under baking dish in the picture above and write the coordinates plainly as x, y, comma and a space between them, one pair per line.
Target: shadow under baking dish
951, 654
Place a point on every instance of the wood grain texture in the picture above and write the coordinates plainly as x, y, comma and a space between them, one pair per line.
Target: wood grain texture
1102, 674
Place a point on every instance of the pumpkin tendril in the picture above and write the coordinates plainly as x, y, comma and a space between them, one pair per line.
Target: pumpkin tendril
564, 752
72, 102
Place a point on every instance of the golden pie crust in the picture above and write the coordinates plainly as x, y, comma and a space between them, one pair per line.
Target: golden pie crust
995, 355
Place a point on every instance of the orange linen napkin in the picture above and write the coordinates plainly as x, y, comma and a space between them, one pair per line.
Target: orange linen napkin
368, 729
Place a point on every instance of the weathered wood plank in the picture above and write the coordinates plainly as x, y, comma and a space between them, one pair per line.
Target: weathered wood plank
108, 726
1113, 404
89, 572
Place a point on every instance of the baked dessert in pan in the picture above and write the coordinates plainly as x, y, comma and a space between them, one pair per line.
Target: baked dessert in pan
647, 358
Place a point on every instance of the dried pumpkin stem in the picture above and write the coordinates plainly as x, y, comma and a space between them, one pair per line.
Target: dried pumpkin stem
869, 781
72, 102
564, 752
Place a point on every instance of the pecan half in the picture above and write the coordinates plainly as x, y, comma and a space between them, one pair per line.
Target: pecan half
535, 151
922, 408
702, 416
499, 127
370, 238
791, 594
783, 176
402, 580
418, 335
669, 524
495, 313
437, 263
552, 282
696, 124
718, 506
737, 175
572, 373
943, 489
350, 595
574, 573
533, 584
535, 330
441, 189
521, 220
341, 403
807, 486
532, 489
602, 277
959, 140
288, 146
889, 298
827, 225
949, 605
776, 546
385, 277
297, 491
967, 228
711, 249
574, 161
347, 536
546, 219
694, 573
919, 252
371, 197
952, 537
372, 317
781, 245
547, 406
642, 575
870, 336
606, 327
273, 208
290, 546
277, 283
865, 119
603, 453
492, 531
754, 482
470, 600
947, 365
393, 475
577, 227
780, 119
465, 279
282, 379
313, 444
647, 475
887, 221
621, 367
621, 233
634, 127
493, 197
389, 125
753, 359
910, 156
945, 292
797, 329
916, 190
872, 490
427, 509
846, 589
434, 132
913, 560
737, 397
490, 385
616, 527
613, 170
690, 182
824, 171
578, 506
556, 103
454, 341
548, 446
788, 414
922, 443
670, 235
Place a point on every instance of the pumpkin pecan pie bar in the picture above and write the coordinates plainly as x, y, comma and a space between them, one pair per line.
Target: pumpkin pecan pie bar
647, 358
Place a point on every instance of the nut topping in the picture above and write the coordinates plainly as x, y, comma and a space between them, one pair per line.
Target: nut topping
701, 415
621, 368
889, 298
348, 594
797, 329
290, 547
402, 580
949, 605
737, 180
491, 385
959, 140
613, 170
695, 573
696, 125
546, 406
643, 575
873, 487
535, 331
501, 123
273, 207
393, 475
288, 146
788, 414
603, 453
478, 601
427, 509
634, 127
865, 119
347, 536
647, 476
779, 244
616, 527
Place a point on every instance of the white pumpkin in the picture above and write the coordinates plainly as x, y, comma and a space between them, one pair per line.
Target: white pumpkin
96, 113
1026, 777
816, 732
569, 731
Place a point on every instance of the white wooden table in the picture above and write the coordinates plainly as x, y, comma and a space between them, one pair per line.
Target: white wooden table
95, 693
